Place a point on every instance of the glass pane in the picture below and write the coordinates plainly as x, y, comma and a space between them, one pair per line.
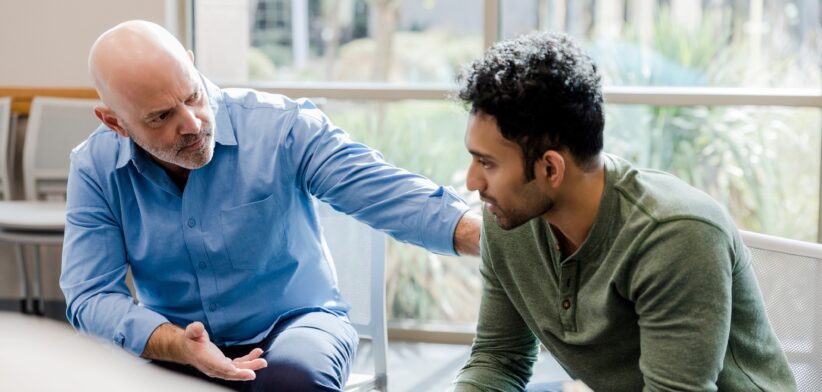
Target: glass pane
732, 43
426, 138
422, 41
761, 163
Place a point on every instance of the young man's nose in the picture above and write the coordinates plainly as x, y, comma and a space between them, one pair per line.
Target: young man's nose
474, 180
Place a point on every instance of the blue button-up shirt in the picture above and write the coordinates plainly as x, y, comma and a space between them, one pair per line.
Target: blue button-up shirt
240, 246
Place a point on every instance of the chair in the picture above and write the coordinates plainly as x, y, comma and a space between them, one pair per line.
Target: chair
55, 127
359, 258
5, 135
790, 277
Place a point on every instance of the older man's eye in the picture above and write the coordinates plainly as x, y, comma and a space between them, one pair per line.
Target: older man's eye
160, 118
193, 99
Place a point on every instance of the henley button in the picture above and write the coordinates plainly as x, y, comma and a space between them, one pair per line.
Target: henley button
191, 222
203, 265
566, 304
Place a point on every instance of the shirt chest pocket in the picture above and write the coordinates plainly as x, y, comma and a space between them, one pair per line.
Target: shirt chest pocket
253, 233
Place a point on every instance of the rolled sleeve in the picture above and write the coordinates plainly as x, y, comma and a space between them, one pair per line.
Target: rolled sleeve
441, 214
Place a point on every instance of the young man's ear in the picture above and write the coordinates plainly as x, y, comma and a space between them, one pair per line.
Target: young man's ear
550, 168
111, 120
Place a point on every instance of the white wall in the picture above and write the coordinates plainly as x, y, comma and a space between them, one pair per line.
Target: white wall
46, 42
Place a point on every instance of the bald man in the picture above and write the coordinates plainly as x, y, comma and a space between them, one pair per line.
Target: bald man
206, 194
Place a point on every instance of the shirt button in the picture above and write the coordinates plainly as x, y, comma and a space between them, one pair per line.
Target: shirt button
191, 222
212, 307
203, 265
566, 304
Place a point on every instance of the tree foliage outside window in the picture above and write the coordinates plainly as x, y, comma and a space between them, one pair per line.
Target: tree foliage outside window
761, 163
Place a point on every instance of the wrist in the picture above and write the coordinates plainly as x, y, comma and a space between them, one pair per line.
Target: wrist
166, 343
467, 234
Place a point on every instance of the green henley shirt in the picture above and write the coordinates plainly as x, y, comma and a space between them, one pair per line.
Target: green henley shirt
660, 296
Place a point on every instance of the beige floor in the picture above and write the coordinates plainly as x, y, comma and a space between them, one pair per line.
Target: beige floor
414, 367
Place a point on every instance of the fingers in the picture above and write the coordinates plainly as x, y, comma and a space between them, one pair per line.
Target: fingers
228, 371
196, 331
254, 354
251, 361
255, 364
243, 375
210, 360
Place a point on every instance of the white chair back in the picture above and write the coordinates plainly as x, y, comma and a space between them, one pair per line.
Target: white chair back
5, 134
790, 277
55, 127
358, 252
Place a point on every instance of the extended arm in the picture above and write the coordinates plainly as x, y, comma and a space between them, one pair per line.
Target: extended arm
355, 179
505, 349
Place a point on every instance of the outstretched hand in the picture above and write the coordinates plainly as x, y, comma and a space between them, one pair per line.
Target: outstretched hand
201, 353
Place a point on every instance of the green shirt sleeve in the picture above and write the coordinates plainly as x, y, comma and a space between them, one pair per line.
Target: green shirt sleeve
505, 349
681, 287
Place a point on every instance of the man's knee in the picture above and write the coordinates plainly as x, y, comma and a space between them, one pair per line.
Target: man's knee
309, 355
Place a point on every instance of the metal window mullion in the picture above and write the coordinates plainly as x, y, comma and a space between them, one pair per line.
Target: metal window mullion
819, 200
653, 96
491, 26
189, 24
712, 96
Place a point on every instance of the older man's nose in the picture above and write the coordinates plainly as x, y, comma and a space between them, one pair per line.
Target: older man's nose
190, 122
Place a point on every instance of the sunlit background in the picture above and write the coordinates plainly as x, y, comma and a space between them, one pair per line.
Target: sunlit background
761, 162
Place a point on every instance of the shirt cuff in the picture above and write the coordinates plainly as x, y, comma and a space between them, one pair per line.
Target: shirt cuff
442, 211
136, 328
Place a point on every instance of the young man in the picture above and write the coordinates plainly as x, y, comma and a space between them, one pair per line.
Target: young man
206, 195
632, 279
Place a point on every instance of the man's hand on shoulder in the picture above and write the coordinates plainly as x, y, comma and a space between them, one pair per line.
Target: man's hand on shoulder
467, 234
192, 346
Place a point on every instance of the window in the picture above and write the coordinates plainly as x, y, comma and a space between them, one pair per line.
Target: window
422, 42
723, 93
756, 43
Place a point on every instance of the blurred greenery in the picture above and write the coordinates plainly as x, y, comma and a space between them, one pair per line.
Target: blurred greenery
761, 163
736, 154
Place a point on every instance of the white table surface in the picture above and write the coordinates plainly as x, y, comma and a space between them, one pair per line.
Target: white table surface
38, 354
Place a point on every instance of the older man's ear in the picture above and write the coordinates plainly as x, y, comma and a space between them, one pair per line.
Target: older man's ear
111, 120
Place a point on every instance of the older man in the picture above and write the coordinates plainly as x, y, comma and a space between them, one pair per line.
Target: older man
206, 194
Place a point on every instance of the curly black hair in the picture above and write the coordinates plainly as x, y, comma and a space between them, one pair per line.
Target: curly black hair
544, 93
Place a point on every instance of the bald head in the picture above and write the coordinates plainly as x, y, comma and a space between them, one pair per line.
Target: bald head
134, 57
153, 94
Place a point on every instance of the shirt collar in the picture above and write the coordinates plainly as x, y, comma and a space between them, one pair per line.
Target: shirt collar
223, 133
